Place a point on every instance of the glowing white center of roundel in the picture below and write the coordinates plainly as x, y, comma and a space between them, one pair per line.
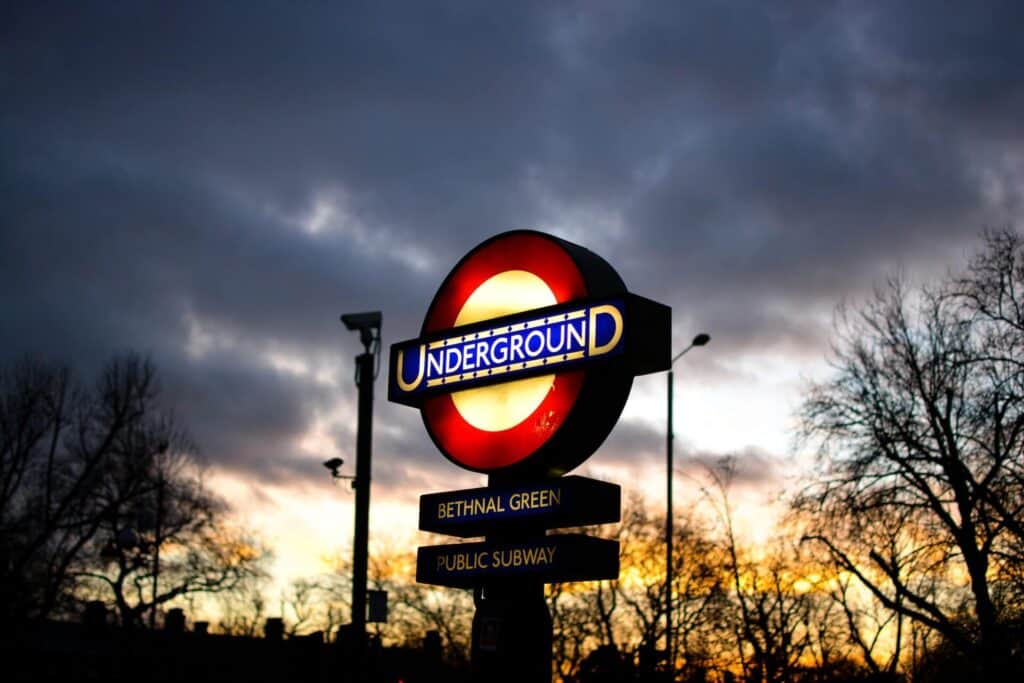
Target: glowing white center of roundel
503, 406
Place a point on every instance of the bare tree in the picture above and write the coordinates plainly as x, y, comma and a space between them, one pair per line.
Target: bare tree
58, 442
642, 544
417, 608
700, 596
302, 604
773, 619
992, 294
96, 482
575, 632
413, 609
168, 542
920, 429
626, 617
244, 608
875, 632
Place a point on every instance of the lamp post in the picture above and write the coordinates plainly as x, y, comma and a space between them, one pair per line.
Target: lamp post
700, 340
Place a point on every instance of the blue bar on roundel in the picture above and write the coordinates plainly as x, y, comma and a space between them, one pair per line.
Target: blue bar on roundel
508, 347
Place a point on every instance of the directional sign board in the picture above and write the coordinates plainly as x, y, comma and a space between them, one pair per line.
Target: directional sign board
547, 504
547, 559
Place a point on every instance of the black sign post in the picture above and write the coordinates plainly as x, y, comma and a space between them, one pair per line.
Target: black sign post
512, 627
512, 635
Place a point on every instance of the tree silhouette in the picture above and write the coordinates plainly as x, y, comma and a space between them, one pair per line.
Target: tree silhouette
101, 497
166, 542
620, 623
920, 430
776, 622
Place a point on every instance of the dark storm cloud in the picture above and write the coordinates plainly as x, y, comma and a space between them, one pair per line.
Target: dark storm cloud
638, 444
635, 443
235, 175
246, 417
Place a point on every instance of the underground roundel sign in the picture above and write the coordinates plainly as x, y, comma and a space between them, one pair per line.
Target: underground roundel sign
527, 354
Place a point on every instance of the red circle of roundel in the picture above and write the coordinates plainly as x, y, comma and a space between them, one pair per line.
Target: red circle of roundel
464, 443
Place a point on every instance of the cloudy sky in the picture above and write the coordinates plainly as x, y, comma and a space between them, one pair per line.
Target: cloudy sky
213, 184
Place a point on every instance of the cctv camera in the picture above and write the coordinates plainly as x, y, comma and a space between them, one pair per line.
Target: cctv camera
334, 464
362, 321
367, 323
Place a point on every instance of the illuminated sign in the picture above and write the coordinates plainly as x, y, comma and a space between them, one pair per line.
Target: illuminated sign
527, 354
521, 368
548, 559
555, 503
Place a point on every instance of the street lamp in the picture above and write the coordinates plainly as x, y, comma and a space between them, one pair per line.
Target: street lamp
700, 340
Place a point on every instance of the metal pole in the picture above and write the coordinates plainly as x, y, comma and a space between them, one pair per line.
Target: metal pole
364, 379
670, 659
156, 547
670, 655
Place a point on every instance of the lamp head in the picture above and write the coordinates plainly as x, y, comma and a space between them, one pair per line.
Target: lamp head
701, 339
